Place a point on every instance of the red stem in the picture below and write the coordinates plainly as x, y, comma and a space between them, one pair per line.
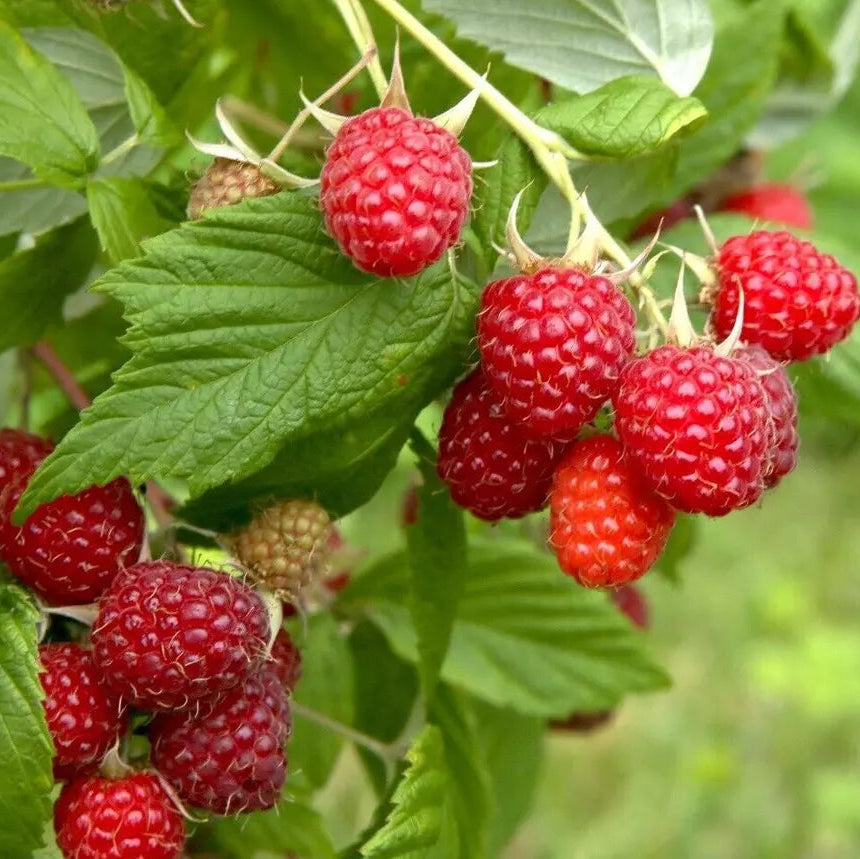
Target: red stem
63, 376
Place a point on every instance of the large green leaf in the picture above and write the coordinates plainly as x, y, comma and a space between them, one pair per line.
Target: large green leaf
33, 285
326, 686
582, 44
250, 331
25, 745
437, 564
42, 122
415, 820
525, 636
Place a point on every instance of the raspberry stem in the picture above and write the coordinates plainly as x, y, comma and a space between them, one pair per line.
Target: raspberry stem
357, 23
386, 753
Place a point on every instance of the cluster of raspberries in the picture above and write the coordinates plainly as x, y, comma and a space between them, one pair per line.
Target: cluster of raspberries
177, 653
695, 430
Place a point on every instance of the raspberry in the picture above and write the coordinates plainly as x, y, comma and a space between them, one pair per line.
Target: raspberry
286, 659
607, 527
84, 717
778, 204
782, 410
630, 601
125, 818
226, 183
168, 634
70, 549
797, 302
395, 191
695, 425
552, 345
20, 454
232, 758
491, 467
286, 547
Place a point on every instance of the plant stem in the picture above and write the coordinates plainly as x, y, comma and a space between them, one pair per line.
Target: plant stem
117, 152
22, 184
62, 375
357, 23
382, 750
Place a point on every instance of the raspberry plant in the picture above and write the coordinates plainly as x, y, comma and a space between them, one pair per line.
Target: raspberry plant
269, 269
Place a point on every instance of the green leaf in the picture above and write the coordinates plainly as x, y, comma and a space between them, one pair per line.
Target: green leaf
42, 122
123, 214
682, 541
469, 779
415, 821
293, 827
437, 564
380, 675
513, 767
734, 90
624, 118
583, 44
25, 745
152, 124
255, 311
33, 286
525, 636
326, 686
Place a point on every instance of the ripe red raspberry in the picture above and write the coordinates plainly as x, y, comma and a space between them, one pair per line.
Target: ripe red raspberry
782, 412
491, 466
695, 425
85, 718
286, 547
395, 191
777, 204
631, 602
168, 634
552, 345
797, 302
230, 758
226, 183
286, 660
20, 454
607, 527
124, 818
70, 549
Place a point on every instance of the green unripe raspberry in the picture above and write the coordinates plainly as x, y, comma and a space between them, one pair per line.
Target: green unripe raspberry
286, 547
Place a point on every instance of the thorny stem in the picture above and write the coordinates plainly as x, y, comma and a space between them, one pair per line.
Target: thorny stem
62, 375
386, 753
160, 501
303, 115
550, 150
356, 21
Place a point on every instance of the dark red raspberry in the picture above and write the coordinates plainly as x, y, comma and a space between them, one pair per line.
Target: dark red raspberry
552, 345
607, 527
491, 466
168, 634
229, 758
286, 659
631, 602
124, 818
782, 410
71, 548
85, 718
695, 425
777, 204
798, 302
20, 454
395, 191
